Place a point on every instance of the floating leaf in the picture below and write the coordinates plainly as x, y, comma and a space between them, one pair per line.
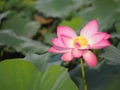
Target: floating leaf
59, 8
21, 26
112, 54
97, 78
40, 61
22, 75
21, 44
43, 61
115, 35
48, 36
114, 84
54, 8
103, 10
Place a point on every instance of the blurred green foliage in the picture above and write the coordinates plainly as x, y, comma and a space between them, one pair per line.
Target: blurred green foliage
28, 26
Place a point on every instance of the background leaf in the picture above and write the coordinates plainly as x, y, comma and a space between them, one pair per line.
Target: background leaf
97, 78
112, 54
21, 26
114, 84
54, 7
22, 44
104, 10
40, 61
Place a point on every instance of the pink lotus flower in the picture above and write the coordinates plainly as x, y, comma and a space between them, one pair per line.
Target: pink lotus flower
73, 46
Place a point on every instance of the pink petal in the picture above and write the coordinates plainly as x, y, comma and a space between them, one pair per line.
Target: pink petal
90, 29
56, 49
77, 53
98, 37
90, 58
101, 44
58, 42
67, 56
65, 30
66, 40
107, 36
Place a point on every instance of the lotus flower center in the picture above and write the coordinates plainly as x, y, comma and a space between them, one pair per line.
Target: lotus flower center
81, 41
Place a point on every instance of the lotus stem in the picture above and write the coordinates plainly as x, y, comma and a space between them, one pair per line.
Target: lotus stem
83, 74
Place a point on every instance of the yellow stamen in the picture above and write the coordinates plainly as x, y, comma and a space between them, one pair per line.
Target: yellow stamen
82, 41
